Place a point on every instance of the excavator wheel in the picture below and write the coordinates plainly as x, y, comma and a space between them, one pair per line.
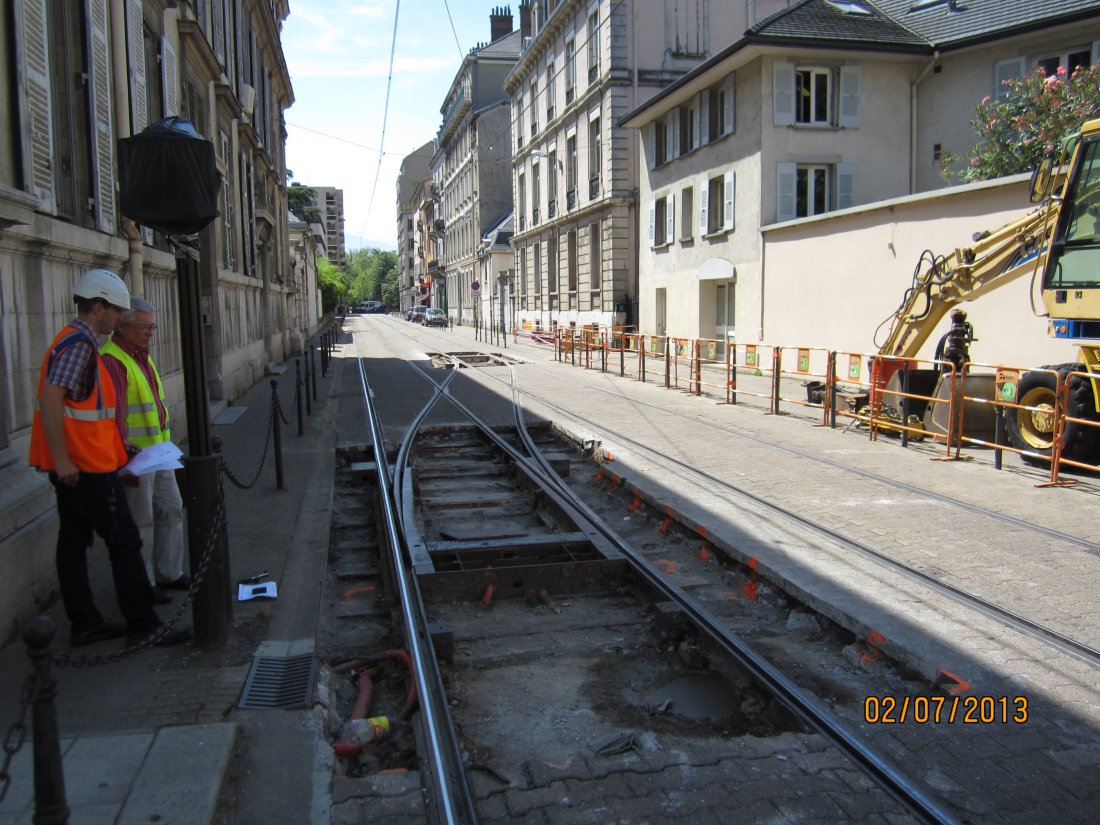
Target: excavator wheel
1033, 429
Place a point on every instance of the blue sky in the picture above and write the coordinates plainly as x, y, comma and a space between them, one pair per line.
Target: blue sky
338, 54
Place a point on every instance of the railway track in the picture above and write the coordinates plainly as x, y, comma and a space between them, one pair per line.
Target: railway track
543, 607
476, 593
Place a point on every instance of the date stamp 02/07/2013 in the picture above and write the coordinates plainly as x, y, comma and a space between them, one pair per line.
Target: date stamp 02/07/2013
951, 710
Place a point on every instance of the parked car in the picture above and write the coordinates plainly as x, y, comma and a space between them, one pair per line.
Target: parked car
435, 318
416, 314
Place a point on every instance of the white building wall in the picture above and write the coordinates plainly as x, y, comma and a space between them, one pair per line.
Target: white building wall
831, 281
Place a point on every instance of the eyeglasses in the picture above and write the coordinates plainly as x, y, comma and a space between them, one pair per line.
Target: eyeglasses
144, 327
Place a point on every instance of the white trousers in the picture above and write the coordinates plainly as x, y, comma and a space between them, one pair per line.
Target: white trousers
158, 512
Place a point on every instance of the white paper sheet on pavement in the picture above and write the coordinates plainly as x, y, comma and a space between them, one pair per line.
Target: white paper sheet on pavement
163, 456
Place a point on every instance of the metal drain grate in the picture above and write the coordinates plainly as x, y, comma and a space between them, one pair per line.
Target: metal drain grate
279, 682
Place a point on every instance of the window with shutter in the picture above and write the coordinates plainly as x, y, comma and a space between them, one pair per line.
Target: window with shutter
103, 150
703, 208
727, 201
1011, 69
135, 56
670, 215
783, 93
170, 71
35, 111
229, 260
686, 217
848, 116
784, 191
845, 185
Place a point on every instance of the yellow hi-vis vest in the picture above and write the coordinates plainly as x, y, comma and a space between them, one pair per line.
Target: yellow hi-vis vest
142, 422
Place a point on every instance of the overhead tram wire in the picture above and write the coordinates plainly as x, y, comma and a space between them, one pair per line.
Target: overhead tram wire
385, 117
461, 55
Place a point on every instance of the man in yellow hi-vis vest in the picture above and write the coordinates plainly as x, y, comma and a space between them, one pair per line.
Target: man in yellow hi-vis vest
142, 418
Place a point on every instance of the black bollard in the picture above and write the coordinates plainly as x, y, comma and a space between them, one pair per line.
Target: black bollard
298, 396
50, 806
312, 374
212, 608
277, 434
309, 407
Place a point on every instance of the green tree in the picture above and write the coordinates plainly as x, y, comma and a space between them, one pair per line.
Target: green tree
333, 285
298, 200
369, 270
1016, 132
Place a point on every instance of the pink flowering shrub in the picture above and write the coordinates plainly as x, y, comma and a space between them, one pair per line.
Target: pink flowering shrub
1016, 132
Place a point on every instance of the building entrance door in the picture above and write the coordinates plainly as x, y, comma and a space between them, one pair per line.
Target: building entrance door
724, 315
660, 307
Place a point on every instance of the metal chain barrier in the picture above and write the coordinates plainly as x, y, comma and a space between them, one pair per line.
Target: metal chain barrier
17, 733
95, 659
267, 443
278, 406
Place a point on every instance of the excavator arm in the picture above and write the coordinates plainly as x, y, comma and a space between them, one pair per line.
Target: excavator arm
940, 283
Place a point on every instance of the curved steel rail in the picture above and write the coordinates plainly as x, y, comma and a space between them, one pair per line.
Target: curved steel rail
451, 791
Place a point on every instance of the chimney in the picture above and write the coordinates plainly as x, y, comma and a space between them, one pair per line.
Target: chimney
524, 19
500, 23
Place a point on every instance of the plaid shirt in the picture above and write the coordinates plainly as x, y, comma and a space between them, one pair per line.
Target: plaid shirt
74, 368
117, 370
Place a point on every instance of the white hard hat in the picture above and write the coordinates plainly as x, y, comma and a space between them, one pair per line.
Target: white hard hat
105, 285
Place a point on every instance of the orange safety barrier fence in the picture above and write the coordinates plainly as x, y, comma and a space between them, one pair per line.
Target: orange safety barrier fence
753, 361
713, 366
807, 362
891, 403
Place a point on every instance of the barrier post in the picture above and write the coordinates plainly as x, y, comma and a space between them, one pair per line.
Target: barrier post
733, 372
903, 381
572, 347
298, 395
50, 805
324, 354
622, 355
830, 393
698, 348
668, 364
777, 367
309, 406
641, 357
604, 344
998, 435
312, 373
277, 433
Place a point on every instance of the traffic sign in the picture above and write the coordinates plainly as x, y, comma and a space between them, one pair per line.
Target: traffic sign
475, 286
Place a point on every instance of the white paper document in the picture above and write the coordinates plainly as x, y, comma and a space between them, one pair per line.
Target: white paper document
163, 456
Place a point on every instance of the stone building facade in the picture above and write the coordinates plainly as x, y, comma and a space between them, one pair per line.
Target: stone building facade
75, 77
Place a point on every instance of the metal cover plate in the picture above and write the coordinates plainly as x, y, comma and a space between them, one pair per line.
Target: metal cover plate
279, 682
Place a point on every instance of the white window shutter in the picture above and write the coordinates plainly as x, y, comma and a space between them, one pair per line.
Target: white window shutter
135, 55
704, 117
782, 93
670, 224
1011, 69
651, 143
219, 31
35, 107
170, 70
849, 97
730, 94
727, 201
652, 223
703, 215
103, 143
696, 140
784, 191
845, 185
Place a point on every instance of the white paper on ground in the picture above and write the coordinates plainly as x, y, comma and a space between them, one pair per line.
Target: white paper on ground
263, 590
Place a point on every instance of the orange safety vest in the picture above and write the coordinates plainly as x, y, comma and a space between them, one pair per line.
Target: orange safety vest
91, 435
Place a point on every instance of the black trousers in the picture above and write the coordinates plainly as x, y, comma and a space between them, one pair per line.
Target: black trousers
96, 505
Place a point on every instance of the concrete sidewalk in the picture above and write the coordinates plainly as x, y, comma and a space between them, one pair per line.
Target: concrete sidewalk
150, 738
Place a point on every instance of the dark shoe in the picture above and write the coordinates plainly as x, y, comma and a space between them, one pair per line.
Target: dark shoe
175, 636
161, 596
97, 633
182, 583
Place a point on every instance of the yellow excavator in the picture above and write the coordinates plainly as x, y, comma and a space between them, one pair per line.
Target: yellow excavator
1057, 243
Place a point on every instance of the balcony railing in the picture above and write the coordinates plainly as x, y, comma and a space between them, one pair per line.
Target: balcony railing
535, 216
551, 208
522, 222
571, 199
549, 113
592, 72
569, 95
593, 188
534, 128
